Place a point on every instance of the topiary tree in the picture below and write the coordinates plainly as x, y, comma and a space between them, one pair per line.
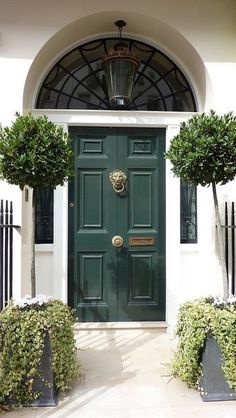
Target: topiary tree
204, 152
34, 152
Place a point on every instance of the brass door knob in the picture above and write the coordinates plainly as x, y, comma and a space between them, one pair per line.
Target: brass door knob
117, 241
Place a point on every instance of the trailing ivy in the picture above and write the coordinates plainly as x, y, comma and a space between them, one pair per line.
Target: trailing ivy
195, 320
22, 336
223, 323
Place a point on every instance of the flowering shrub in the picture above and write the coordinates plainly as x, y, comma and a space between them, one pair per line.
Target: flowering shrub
195, 320
24, 325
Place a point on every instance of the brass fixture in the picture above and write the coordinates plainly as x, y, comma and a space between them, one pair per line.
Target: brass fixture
120, 67
118, 179
117, 241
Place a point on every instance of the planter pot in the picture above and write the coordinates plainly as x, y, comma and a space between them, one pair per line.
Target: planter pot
45, 383
27, 372
213, 385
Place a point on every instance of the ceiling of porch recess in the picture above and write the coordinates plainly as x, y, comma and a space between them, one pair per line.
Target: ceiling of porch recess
77, 81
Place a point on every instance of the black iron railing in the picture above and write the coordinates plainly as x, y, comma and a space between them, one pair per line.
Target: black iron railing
6, 251
230, 250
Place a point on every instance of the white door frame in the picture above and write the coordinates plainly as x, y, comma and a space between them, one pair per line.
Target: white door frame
59, 249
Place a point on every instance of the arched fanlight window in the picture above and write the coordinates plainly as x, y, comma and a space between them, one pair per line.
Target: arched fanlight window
77, 80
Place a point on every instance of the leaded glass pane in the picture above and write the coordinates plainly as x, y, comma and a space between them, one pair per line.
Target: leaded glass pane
188, 213
44, 216
77, 80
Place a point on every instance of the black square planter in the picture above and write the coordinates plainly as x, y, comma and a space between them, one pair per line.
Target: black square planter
213, 384
48, 396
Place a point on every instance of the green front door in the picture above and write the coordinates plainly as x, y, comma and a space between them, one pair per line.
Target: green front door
109, 283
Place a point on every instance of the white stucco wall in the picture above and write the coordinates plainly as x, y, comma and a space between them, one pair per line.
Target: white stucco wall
199, 36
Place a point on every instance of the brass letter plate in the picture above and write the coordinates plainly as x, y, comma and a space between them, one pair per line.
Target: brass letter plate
142, 241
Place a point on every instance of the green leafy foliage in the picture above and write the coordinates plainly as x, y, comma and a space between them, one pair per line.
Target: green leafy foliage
204, 151
224, 325
34, 152
195, 320
22, 336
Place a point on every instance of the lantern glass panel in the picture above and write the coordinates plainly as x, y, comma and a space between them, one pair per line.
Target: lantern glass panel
119, 74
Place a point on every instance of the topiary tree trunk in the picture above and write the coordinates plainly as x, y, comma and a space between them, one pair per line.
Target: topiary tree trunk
37, 153
204, 152
32, 246
219, 231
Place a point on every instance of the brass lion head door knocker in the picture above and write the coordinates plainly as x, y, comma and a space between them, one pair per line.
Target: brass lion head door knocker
118, 179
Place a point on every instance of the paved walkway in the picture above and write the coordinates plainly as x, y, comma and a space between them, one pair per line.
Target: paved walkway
125, 376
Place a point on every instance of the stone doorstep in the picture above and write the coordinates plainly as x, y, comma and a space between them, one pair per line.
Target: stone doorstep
120, 325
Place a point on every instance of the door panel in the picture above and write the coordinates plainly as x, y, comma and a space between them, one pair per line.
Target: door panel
140, 192
108, 283
91, 185
141, 277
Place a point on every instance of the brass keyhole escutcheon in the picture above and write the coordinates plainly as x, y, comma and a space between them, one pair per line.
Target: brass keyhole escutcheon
117, 241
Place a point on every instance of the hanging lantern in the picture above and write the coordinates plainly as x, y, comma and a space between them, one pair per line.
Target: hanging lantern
120, 67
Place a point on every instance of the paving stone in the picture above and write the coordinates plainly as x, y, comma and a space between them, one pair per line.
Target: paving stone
125, 374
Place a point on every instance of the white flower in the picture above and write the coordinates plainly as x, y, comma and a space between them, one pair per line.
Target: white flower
218, 301
28, 301
231, 300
